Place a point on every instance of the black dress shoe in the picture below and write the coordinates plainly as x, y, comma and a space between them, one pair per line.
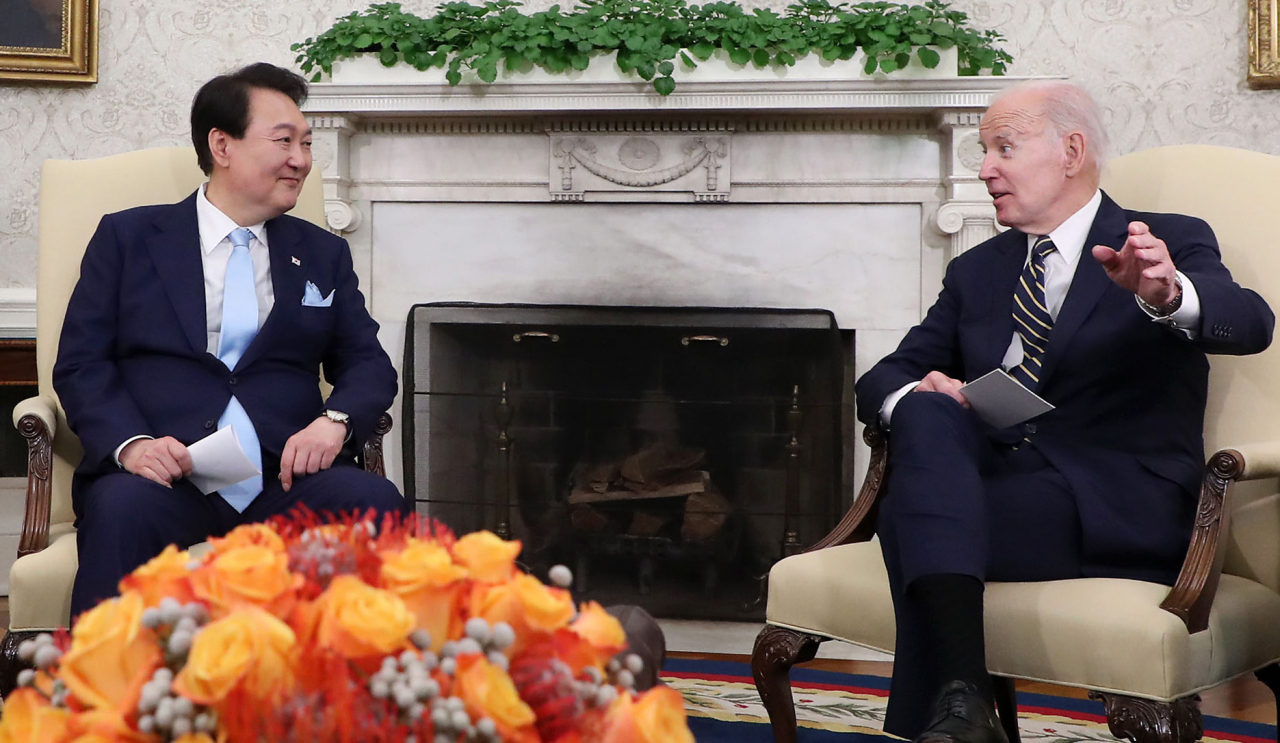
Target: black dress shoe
962, 715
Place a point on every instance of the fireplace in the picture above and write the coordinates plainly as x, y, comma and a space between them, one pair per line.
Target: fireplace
671, 455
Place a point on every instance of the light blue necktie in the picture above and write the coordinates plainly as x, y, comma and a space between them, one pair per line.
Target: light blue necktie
239, 326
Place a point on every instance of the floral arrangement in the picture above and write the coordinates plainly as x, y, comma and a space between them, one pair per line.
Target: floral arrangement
300, 630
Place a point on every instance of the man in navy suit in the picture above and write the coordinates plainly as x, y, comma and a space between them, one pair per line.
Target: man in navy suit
1105, 313
218, 311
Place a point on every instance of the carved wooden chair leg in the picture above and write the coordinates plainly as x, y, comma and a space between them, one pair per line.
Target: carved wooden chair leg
1270, 675
1007, 706
1145, 721
10, 666
777, 650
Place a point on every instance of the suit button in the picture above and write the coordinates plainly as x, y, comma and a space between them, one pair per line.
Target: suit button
208, 425
231, 380
1031, 428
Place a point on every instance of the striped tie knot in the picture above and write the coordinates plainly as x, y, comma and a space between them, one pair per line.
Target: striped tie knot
1031, 318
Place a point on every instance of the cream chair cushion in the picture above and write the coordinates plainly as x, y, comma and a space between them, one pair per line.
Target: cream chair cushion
74, 195
1098, 633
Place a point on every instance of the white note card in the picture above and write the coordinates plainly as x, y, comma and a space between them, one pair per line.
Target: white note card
1002, 401
217, 461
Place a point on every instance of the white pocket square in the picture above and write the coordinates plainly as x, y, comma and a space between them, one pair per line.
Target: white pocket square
311, 297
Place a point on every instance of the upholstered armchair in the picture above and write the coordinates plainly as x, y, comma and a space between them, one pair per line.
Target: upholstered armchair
1144, 649
74, 195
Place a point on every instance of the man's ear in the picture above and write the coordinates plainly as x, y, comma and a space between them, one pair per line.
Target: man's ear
1073, 152
218, 144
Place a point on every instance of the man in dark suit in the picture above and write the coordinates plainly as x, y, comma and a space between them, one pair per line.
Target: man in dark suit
1105, 313
218, 311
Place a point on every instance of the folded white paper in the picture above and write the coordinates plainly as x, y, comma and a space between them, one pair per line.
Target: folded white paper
217, 461
1002, 401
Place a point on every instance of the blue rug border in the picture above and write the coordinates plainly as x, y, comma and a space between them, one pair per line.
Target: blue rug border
814, 676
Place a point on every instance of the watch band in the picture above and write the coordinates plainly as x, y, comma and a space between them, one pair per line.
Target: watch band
1168, 309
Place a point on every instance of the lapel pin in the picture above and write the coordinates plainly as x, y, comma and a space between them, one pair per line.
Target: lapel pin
295, 260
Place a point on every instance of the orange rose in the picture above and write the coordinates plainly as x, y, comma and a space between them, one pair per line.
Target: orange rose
251, 575
164, 575
656, 717
359, 621
528, 605
249, 535
490, 558
112, 655
601, 629
424, 576
194, 738
488, 692
29, 718
249, 647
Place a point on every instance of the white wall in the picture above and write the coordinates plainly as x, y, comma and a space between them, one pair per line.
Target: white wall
1166, 71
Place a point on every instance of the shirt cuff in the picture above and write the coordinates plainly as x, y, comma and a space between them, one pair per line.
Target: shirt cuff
886, 409
127, 441
1186, 319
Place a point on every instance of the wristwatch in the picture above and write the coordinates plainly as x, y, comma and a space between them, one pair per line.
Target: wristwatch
1168, 309
338, 417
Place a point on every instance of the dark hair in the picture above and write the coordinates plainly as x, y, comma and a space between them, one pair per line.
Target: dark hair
223, 103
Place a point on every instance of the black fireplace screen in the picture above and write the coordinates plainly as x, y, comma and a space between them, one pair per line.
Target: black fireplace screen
669, 455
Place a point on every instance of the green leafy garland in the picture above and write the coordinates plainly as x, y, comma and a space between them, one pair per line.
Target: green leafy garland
648, 36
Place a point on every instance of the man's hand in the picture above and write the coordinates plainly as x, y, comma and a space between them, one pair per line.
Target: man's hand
936, 381
161, 460
1142, 266
312, 449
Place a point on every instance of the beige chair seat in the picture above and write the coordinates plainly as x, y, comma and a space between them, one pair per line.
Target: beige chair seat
1102, 634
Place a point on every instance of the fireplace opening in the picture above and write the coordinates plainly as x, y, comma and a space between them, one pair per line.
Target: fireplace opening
669, 455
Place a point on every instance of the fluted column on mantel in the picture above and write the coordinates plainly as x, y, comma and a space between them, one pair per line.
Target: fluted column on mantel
967, 215
331, 148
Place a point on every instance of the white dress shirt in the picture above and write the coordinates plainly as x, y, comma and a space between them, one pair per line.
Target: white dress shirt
1059, 268
215, 251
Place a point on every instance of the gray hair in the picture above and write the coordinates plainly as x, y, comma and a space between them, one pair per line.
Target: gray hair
1069, 108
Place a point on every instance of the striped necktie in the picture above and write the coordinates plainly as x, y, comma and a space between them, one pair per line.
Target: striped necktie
1031, 318
239, 326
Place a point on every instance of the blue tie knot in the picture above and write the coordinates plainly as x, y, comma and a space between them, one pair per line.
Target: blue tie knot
240, 237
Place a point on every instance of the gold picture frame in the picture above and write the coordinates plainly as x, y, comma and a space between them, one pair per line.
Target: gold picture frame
49, 41
1264, 43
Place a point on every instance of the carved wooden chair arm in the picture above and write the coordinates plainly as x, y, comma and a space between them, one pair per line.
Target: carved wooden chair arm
371, 454
859, 522
36, 418
1191, 597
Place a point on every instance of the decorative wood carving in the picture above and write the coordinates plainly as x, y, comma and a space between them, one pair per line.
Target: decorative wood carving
1191, 597
372, 454
1145, 721
859, 522
35, 522
777, 649
10, 666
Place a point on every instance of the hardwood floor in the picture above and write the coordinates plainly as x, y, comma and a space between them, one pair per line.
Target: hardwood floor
1242, 699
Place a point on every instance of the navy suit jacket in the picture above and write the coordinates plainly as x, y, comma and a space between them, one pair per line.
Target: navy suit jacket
133, 355
1130, 393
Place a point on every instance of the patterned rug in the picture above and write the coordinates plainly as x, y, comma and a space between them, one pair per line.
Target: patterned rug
723, 707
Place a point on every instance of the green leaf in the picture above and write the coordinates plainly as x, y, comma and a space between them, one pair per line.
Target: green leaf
740, 56
580, 61
870, 66
665, 68
487, 72
388, 57
703, 50
928, 57
453, 77
664, 85
687, 61
786, 59
920, 39
761, 58
363, 41
889, 65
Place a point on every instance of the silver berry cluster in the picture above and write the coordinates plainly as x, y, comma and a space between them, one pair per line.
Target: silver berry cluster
181, 622
406, 681
169, 715
479, 637
44, 655
451, 722
596, 689
325, 553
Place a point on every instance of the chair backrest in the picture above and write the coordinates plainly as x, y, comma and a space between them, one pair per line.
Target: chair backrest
1238, 193
74, 196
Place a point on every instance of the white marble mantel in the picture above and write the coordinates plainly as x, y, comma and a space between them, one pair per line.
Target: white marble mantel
752, 190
